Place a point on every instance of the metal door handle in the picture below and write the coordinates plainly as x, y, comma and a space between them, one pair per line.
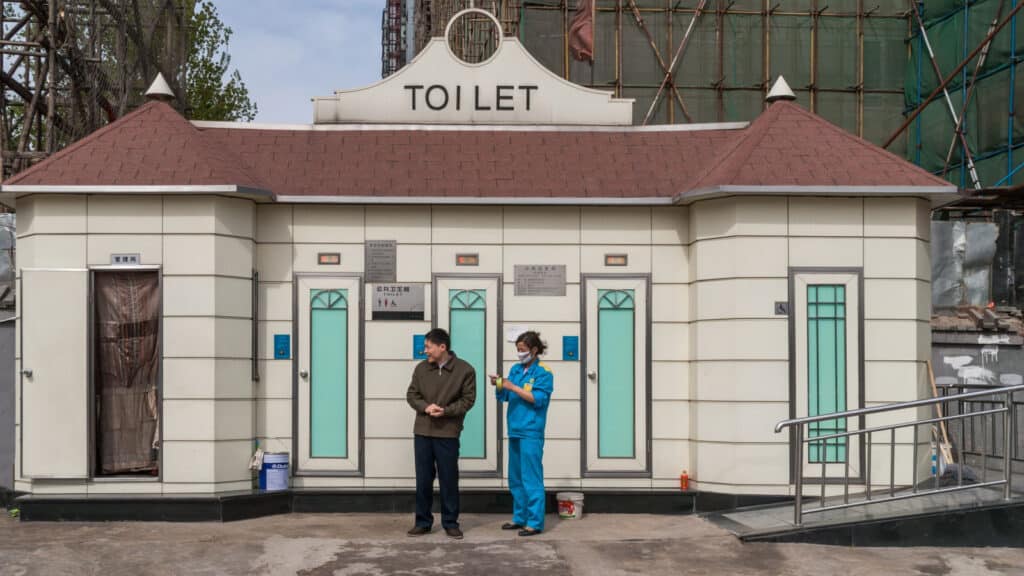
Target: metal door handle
27, 372
303, 374
592, 375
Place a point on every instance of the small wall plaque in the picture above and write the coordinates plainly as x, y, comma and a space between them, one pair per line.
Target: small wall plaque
571, 348
282, 346
381, 261
328, 258
616, 259
124, 259
399, 301
419, 342
467, 259
782, 308
539, 279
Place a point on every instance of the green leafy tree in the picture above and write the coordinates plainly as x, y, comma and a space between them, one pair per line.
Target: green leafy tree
213, 90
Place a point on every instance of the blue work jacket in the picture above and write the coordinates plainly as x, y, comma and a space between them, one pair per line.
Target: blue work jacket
526, 420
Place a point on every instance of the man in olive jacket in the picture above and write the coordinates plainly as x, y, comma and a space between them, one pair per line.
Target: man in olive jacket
442, 390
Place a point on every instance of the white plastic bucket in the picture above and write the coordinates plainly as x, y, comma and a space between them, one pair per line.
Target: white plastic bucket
570, 505
274, 472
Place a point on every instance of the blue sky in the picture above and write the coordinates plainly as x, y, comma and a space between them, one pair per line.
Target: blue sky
293, 50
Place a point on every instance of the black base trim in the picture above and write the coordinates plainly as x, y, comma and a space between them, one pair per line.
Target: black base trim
253, 504
7, 497
169, 508
997, 525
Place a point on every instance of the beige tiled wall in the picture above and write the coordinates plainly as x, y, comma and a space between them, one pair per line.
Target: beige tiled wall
720, 371
741, 251
428, 241
205, 248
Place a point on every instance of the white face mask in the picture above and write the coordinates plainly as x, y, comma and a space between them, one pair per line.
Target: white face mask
525, 357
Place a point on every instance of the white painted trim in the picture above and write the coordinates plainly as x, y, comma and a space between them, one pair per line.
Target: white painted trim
935, 193
133, 189
208, 124
476, 200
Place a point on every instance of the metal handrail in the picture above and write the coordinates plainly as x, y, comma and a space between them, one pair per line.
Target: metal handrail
1007, 392
896, 406
969, 447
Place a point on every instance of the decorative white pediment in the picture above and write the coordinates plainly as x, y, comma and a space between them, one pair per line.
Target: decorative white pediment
439, 88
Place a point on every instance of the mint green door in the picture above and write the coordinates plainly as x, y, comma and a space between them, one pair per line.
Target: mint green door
467, 311
826, 368
616, 363
328, 373
616, 367
467, 306
826, 365
327, 365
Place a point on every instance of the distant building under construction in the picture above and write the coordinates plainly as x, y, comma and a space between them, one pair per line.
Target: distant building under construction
72, 66
722, 55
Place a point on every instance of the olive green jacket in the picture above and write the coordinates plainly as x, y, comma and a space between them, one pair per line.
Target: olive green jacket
452, 387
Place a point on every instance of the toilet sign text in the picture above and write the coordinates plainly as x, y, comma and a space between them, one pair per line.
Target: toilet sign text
501, 98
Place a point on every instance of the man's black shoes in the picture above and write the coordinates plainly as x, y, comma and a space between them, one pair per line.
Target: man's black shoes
511, 526
453, 533
419, 531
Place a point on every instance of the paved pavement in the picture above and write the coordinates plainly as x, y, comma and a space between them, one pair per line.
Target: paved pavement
358, 544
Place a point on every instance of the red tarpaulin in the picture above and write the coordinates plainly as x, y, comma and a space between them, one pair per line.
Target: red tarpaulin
581, 31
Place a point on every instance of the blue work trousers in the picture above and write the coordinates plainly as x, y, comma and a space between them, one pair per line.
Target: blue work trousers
526, 480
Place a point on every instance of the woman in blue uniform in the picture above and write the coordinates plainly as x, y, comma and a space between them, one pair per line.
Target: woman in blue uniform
527, 391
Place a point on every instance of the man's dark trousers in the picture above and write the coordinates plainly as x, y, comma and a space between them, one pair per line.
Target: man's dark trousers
444, 454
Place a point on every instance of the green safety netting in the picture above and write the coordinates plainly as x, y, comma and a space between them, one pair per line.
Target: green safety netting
994, 135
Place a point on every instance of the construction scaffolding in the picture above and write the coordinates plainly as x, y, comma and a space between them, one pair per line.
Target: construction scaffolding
969, 132
393, 37
70, 67
714, 60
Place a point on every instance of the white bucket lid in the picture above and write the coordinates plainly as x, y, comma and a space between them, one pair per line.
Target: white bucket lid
569, 496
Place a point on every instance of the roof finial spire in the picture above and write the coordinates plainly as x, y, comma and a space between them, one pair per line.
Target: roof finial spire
160, 90
780, 91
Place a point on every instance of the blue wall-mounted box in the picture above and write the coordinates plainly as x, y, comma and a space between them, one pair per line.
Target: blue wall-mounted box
571, 348
282, 346
419, 341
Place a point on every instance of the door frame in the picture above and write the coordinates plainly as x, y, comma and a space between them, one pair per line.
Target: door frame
499, 422
585, 472
794, 466
360, 470
91, 346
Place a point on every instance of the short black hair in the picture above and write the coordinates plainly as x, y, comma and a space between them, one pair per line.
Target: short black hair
439, 336
532, 340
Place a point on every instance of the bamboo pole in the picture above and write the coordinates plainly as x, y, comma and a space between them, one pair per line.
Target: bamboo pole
675, 59
661, 61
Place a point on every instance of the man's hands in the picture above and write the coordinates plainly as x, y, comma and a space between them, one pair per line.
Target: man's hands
434, 410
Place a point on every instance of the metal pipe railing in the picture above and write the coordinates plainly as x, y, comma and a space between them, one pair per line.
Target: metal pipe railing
803, 435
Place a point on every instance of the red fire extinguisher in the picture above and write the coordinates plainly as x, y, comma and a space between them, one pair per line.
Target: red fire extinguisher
684, 481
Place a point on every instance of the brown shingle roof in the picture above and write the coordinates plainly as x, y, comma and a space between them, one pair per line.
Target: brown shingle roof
785, 146
153, 145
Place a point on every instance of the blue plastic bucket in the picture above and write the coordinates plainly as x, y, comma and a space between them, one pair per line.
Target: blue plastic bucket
274, 472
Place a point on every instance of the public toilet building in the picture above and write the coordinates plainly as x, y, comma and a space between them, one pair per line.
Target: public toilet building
188, 290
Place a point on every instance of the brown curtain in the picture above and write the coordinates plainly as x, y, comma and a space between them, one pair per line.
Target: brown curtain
127, 364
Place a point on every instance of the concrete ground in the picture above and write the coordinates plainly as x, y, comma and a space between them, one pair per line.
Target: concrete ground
344, 544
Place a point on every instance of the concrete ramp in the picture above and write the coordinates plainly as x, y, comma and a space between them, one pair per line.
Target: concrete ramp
969, 518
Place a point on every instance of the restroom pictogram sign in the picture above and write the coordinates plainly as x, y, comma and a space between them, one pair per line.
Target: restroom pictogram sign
398, 302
